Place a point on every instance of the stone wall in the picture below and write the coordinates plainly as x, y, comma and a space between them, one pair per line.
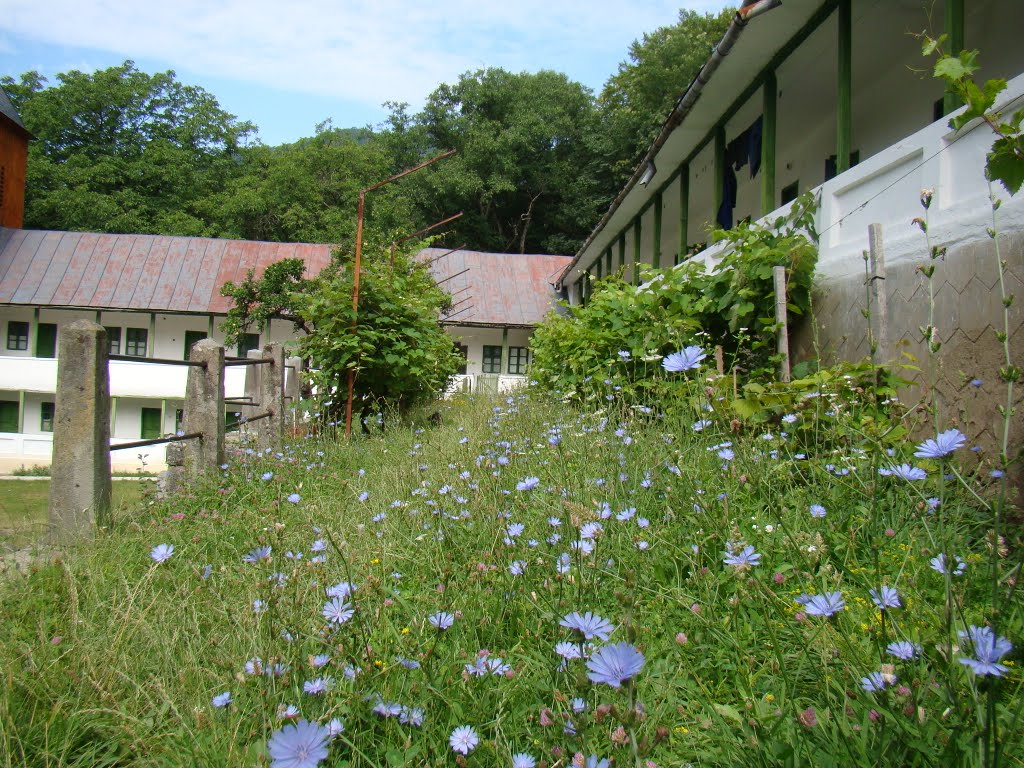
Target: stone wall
968, 312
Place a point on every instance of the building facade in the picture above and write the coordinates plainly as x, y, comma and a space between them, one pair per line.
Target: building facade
835, 97
158, 295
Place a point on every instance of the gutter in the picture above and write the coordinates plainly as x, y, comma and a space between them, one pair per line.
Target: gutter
749, 10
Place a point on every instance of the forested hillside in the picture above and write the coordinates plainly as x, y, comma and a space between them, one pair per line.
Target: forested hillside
539, 155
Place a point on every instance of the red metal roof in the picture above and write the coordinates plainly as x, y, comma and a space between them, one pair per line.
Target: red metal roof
159, 273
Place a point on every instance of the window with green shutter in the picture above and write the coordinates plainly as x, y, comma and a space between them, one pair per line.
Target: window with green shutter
191, 337
46, 417
8, 415
46, 340
150, 423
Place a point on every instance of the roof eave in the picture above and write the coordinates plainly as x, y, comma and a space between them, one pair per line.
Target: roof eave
749, 10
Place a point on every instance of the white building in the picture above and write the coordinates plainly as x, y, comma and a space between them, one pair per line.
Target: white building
158, 295
835, 96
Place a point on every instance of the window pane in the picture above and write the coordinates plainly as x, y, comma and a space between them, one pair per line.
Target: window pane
17, 335
46, 417
463, 350
135, 341
492, 359
113, 341
518, 359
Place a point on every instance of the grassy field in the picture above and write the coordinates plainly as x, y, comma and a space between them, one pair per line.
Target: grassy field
530, 585
23, 508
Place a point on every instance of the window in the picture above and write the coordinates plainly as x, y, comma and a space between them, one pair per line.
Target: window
191, 337
248, 342
46, 340
113, 340
46, 417
518, 359
830, 164
17, 335
8, 415
179, 419
492, 359
136, 342
463, 351
150, 423
790, 192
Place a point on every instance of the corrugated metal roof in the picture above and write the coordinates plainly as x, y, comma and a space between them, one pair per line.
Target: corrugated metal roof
159, 273
500, 288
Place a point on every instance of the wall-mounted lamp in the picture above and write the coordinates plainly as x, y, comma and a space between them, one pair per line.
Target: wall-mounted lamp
649, 172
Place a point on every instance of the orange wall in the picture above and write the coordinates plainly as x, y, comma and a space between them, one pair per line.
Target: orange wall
13, 159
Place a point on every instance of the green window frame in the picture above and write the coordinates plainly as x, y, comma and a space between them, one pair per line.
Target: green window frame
136, 342
17, 335
46, 412
248, 342
113, 340
518, 359
191, 337
150, 424
46, 340
491, 359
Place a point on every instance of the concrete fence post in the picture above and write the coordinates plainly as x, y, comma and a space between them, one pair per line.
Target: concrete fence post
292, 388
270, 431
782, 335
880, 313
253, 385
80, 470
204, 408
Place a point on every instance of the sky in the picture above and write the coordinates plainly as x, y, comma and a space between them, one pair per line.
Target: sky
289, 66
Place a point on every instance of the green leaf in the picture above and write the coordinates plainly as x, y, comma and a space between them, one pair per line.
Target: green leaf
1006, 163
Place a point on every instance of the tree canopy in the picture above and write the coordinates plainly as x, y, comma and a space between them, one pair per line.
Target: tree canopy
538, 156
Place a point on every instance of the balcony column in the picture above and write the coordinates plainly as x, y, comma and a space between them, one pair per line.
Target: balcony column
684, 212
656, 247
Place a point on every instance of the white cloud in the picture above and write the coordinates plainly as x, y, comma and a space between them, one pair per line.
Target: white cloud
366, 52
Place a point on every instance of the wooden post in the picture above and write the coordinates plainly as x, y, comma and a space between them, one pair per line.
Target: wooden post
782, 335
954, 23
719, 359
880, 315
204, 408
684, 212
270, 431
769, 122
656, 249
622, 254
844, 105
637, 235
80, 471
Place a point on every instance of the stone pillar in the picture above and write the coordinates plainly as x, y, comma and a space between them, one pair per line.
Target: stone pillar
270, 431
80, 471
204, 408
172, 479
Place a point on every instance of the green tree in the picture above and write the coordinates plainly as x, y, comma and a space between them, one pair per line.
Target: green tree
123, 151
523, 172
394, 343
636, 100
308, 191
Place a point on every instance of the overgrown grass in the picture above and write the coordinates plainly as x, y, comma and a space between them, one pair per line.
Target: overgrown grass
24, 508
111, 658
